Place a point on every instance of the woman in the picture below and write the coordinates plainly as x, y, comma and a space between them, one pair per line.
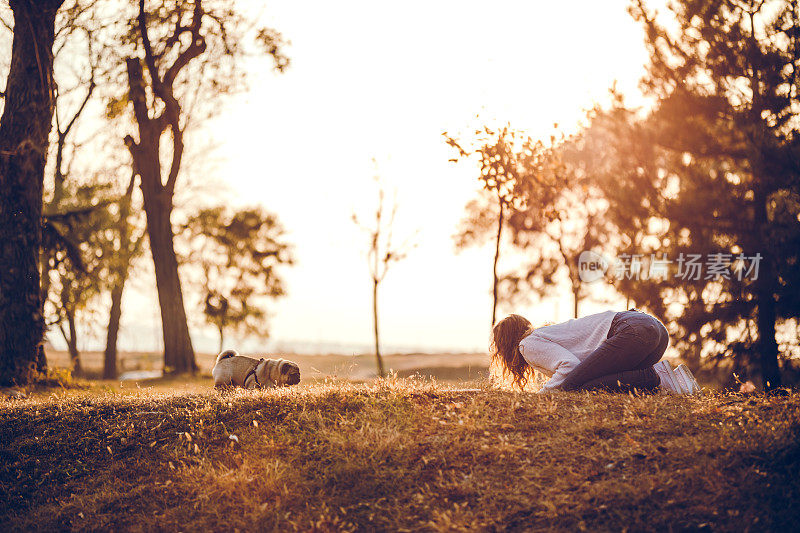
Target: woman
611, 350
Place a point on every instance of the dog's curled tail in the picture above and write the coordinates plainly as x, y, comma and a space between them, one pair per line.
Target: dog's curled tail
226, 354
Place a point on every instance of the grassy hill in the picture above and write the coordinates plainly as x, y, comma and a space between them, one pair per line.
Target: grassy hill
398, 455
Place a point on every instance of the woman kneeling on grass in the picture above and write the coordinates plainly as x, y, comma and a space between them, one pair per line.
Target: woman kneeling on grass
614, 351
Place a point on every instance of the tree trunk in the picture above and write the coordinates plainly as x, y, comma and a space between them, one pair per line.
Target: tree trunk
72, 346
496, 259
126, 254
24, 130
178, 351
44, 290
221, 337
765, 320
41, 360
767, 346
575, 299
378, 358
112, 333
765, 284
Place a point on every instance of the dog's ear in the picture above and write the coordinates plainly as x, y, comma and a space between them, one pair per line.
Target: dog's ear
285, 367
226, 354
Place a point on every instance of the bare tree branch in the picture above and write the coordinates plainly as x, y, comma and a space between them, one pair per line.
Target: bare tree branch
195, 48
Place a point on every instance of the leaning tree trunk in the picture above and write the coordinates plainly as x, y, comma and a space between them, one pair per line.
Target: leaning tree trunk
24, 130
178, 351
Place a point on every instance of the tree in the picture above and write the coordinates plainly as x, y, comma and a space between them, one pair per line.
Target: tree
126, 245
502, 163
382, 252
78, 197
24, 130
712, 171
542, 194
74, 257
181, 34
237, 254
561, 215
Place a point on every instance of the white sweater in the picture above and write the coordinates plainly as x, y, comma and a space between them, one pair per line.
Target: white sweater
556, 350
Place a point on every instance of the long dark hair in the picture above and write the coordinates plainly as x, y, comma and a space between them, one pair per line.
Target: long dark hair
504, 348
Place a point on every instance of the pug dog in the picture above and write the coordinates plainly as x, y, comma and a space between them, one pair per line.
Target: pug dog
234, 370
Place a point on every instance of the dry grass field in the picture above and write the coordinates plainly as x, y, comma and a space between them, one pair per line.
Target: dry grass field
396, 455
443, 366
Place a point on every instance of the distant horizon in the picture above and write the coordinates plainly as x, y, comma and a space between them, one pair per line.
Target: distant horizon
206, 345
148, 340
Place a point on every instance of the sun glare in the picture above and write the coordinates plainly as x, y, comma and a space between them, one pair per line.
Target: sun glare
367, 81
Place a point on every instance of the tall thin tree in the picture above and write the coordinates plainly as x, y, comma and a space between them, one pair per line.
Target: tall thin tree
500, 153
129, 241
382, 252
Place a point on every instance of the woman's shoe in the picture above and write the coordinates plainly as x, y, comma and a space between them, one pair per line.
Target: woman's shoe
669, 381
688, 378
676, 381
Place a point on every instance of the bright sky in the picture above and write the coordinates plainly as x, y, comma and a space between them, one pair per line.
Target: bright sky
379, 80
